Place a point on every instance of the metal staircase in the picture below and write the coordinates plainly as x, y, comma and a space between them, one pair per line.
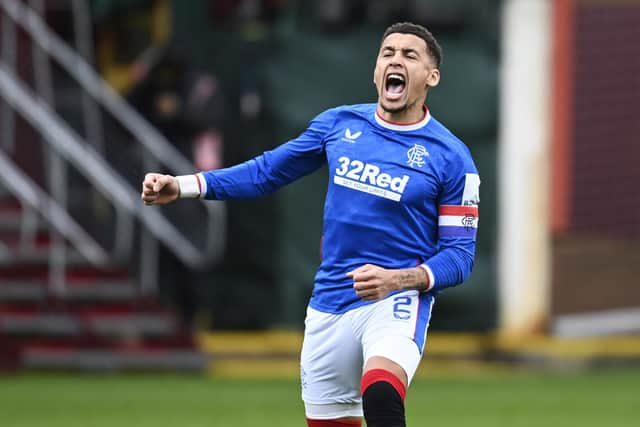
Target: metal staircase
78, 250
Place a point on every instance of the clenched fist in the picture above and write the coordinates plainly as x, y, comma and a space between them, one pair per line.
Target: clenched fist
373, 283
159, 189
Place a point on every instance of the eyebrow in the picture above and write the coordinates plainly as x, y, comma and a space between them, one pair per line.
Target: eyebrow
404, 49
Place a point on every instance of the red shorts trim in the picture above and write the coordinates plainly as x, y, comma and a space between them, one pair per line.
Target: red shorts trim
333, 423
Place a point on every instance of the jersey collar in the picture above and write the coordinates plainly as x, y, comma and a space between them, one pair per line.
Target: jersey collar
403, 127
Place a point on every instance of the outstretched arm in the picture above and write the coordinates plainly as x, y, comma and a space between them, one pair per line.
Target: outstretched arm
257, 177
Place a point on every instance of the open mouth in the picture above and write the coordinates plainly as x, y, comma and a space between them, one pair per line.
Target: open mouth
394, 86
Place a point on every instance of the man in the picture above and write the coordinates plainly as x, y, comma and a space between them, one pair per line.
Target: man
400, 223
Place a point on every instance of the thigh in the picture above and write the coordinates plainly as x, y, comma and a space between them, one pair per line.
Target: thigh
396, 329
330, 361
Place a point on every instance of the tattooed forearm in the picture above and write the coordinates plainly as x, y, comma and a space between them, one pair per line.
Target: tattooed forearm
412, 278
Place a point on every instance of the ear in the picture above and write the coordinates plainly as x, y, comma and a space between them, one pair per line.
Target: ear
375, 75
433, 78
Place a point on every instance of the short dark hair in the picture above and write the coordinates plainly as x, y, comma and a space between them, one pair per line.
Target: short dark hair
433, 47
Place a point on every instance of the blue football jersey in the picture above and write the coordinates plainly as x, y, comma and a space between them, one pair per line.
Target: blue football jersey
398, 196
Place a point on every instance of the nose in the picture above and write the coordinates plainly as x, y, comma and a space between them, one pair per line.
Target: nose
396, 59
395, 63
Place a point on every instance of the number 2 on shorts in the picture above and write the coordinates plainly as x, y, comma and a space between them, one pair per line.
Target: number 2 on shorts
399, 312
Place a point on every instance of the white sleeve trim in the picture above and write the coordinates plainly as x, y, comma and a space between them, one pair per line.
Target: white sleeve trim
192, 186
432, 280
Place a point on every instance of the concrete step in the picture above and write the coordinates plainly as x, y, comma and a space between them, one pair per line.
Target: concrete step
73, 274
77, 292
35, 251
140, 359
36, 255
123, 324
11, 218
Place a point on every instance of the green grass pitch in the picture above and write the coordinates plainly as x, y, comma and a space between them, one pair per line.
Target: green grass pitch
515, 399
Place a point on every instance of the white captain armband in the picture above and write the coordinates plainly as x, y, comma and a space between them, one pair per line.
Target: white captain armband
192, 186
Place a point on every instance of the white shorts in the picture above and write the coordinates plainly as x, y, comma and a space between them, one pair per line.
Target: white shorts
336, 347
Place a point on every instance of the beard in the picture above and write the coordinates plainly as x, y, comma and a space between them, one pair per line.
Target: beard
399, 109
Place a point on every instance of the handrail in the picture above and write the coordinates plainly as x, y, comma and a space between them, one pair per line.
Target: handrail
30, 194
147, 135
82, 71
7, 121
93, 167
94, 129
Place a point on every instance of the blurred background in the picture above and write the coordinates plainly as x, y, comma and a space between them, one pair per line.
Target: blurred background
95, 93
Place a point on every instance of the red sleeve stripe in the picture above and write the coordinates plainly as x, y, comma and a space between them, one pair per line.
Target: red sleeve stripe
199, 185
459, 210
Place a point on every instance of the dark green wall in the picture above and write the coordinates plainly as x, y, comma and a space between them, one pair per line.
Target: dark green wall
300, 70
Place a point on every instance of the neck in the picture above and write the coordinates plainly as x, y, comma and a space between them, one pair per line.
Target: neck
404, 117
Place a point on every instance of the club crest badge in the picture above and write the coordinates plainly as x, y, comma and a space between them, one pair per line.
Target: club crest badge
416, 156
